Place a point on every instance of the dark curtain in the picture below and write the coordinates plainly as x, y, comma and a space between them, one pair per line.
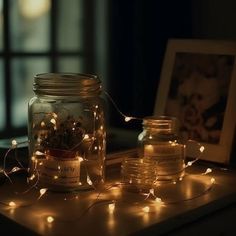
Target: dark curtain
138, 34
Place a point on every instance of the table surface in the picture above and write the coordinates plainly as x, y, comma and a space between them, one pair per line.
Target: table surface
87, 212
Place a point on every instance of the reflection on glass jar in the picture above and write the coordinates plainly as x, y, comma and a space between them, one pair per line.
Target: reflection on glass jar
66, 132
159, 142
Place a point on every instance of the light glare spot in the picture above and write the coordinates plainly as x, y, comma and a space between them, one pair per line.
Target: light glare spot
50, 219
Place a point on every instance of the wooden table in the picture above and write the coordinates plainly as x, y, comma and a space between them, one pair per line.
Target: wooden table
191, 207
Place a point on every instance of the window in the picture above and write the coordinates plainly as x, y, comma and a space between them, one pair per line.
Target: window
39, 36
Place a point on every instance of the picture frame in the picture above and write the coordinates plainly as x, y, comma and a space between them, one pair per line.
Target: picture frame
198, 86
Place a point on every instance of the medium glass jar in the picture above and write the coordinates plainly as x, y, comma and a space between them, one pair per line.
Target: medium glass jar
159, 143
67, 132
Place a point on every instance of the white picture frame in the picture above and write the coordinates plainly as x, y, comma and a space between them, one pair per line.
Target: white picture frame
198, 80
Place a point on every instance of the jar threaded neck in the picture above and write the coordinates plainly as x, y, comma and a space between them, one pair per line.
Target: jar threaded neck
67, 84
162, 124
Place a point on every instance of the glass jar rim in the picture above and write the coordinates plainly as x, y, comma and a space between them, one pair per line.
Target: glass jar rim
161, 123
67, 84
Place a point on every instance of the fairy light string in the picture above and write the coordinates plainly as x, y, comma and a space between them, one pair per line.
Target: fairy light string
111, 203
125, 117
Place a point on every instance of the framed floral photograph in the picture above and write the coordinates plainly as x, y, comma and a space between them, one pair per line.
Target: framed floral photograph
198, 86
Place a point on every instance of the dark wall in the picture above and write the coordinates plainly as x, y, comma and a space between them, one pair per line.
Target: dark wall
138, 33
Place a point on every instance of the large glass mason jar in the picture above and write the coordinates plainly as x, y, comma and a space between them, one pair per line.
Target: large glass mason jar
160, 144
67, 132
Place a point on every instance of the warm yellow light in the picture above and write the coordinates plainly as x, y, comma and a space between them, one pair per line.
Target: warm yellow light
146, 209
89, 180
55, 177
54, 115
86, 136
53, 121
42, 124
50, 219
202, 148
158, 200
213, 180
43, 191
151, 191
38, 153
127, 118
12, 204
15, 169
14, 143
32, 177
111, 207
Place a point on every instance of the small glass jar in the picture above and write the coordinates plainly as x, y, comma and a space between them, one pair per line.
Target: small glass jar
67, 132
137, 174
159, 143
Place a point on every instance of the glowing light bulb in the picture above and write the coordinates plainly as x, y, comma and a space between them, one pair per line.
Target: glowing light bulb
209, 170
50, 219
15, 169
151, 191
54, 115
80, 159
213, 180
38, 153
89, 181
189, 163
14, 143
42, 124
146, 209
32, 177
43, 191
111, 207
12, 204
127, 118
55, 177
86, 136
202, 148
158, 200
53, 121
